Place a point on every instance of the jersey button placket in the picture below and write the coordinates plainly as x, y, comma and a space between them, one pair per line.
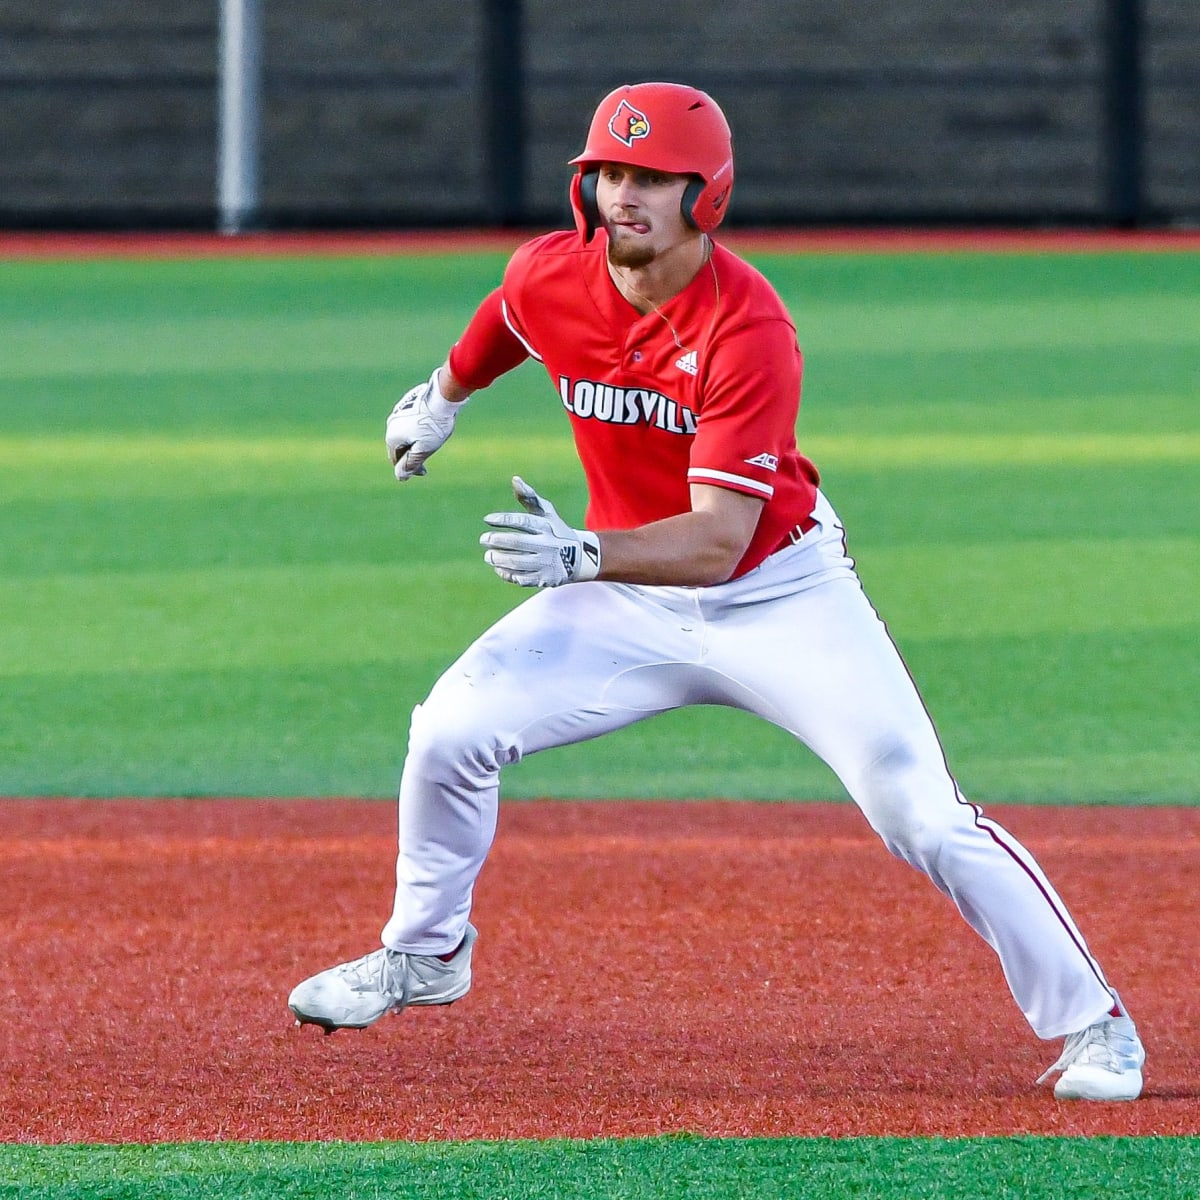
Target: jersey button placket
634, 354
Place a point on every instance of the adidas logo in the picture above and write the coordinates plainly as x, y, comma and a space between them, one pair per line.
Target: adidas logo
688, 363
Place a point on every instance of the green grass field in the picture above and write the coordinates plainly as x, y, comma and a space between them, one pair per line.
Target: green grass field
211, 585
667, 1168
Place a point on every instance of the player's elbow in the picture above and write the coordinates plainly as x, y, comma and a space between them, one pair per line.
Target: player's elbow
717, 562
721, 526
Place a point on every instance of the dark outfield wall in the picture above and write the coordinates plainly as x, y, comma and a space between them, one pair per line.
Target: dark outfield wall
384, 111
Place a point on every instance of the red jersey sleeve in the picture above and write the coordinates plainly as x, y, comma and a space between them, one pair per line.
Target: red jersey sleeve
488, 347
751, 399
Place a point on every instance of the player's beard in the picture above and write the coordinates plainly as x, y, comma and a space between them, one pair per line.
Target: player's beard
630, 254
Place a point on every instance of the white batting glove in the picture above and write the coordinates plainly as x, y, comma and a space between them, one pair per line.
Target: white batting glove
419, 424
537, 548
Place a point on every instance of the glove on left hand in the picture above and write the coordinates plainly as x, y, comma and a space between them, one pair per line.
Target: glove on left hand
537, 548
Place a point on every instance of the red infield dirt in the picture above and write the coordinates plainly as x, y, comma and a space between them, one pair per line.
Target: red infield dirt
720, 968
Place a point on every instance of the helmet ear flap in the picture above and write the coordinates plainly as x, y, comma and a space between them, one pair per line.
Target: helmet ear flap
587, 197
687, 204
583, 201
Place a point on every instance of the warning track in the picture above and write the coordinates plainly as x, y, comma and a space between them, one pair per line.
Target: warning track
54, 245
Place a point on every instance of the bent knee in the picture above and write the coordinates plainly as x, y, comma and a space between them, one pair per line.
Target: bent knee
448, 737
912, 803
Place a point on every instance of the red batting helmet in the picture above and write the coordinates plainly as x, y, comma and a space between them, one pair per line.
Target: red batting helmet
662, 127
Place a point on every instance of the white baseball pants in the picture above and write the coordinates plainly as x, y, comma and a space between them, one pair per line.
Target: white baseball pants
795, 641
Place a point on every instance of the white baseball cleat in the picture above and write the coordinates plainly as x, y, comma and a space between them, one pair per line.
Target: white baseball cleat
356, 994
1102, 1062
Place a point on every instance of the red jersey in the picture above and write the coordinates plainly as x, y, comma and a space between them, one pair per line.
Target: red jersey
704, 390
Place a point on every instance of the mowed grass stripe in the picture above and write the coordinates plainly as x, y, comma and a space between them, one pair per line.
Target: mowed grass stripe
1049, 728
1016, 323
238, 617
215, 619
151, 451
228, 343
199, 465
313, 339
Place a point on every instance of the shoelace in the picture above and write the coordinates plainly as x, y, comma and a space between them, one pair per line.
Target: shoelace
1092, 1045
393, 973
1077, 1044
386, 976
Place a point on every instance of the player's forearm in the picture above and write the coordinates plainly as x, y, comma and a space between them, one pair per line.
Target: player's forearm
693, 549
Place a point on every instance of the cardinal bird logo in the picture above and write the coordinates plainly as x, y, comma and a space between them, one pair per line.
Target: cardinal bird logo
627, 124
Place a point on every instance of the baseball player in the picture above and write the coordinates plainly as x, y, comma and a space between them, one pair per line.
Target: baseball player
711, 570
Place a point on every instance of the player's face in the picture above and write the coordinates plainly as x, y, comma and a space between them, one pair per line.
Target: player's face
640, 210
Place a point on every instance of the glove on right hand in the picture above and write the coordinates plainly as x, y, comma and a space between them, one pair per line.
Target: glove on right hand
419, 425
